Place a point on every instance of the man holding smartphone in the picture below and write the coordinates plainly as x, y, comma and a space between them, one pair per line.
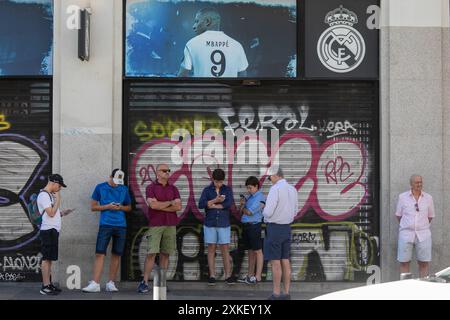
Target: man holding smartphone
49, 201
112, 199
251, 208
216, 199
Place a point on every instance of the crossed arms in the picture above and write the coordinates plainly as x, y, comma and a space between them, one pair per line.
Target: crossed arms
166, 206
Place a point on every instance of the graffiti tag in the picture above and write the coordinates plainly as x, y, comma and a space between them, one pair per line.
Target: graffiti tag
4, 125
21, 263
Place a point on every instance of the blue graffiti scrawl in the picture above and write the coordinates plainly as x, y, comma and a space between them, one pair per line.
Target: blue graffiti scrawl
157, 32
26, 37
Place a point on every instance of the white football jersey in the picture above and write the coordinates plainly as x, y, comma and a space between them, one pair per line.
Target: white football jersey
214, 54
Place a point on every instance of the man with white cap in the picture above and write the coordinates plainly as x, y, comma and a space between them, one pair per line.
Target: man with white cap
112, 199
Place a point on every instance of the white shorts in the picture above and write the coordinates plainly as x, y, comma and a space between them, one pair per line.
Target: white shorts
423, 250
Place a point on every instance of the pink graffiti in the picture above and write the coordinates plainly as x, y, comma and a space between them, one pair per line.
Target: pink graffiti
329, 177
335, 168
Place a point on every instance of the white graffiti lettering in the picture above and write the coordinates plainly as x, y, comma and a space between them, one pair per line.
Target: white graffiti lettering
282, 118
21, 263
11, 276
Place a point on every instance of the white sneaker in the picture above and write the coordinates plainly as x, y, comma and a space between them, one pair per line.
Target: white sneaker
111, 287
92, 287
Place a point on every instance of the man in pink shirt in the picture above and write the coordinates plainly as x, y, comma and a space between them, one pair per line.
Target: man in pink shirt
415, 210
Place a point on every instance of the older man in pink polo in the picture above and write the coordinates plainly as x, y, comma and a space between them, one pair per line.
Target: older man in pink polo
415, 210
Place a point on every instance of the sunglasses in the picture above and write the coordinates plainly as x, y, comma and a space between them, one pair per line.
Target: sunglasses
417, 207
165, 170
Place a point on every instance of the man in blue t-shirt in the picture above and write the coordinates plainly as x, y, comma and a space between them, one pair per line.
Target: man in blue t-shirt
112, 199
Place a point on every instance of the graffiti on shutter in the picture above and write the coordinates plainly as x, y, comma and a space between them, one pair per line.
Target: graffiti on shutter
24, 164
323, 134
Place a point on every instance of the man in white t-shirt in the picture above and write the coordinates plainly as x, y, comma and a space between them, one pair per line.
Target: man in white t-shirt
212, 53
48, 202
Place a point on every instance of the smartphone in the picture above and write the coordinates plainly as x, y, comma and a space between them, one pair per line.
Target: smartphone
68, 211
242, 196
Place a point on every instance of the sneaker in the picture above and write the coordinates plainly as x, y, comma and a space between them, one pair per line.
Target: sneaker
230, 280
92, 287
143, 287
242, 279
211, 281
48, 291
55, 288
275, 297
251, 280
111, 287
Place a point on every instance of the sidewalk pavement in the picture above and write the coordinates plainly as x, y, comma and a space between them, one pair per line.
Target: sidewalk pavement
177, 291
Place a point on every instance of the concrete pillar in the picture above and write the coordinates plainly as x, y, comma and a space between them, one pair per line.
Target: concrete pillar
414, 106
86, 123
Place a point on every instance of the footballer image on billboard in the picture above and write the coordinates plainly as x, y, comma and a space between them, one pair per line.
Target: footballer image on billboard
211, 39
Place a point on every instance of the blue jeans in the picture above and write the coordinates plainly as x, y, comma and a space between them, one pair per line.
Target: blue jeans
105, 233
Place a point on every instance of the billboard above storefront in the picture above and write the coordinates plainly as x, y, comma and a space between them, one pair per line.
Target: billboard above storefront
342, 39
211, 39
26, 38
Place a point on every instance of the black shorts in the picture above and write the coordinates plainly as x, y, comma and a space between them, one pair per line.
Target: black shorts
49, 242
252, 236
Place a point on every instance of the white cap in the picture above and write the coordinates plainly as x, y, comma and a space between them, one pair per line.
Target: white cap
118, 177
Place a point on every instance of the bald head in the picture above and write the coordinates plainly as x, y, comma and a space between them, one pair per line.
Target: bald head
162, 173
413, 178
416, 183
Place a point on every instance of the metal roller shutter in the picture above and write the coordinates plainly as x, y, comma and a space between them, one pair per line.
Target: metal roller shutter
25, 144
328, 148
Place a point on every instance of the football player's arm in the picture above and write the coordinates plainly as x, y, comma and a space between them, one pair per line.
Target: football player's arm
243, 63
186, 65
183, 72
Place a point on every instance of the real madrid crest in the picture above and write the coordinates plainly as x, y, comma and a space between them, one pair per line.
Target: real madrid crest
341, 48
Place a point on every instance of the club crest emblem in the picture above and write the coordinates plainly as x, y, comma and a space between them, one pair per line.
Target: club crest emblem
341, 48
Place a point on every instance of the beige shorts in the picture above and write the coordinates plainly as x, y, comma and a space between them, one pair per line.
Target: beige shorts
162, 239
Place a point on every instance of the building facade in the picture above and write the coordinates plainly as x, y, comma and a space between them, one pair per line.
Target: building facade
349, 134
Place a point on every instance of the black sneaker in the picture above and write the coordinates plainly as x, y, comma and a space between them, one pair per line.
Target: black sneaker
275, 297
55, 288
243, 279
211, 281
230, 280
48, 291
251, 280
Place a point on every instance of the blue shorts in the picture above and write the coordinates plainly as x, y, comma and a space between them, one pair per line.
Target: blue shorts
251, 236
105, 233
217, 235
277, 244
